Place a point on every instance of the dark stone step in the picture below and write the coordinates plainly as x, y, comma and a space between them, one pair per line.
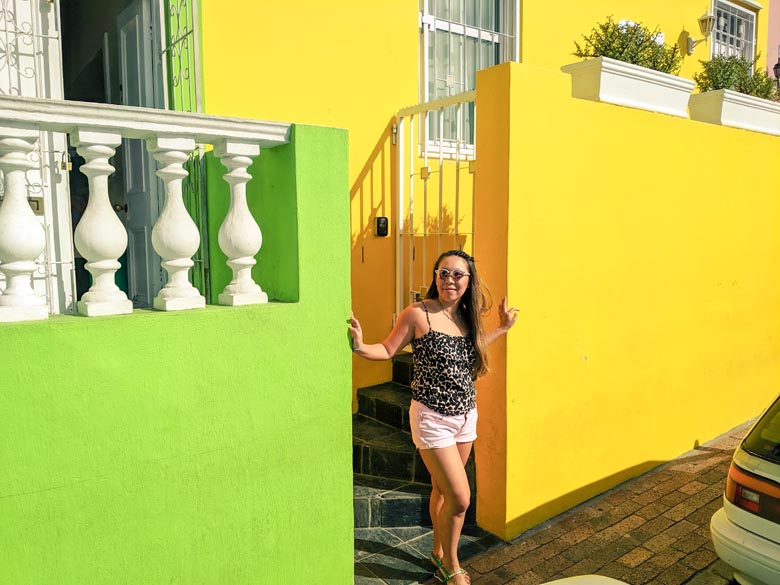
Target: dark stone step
388, 403
402, 369
382, 502
384, 451
380, 450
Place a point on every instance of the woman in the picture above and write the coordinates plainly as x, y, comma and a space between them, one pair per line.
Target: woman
449, 349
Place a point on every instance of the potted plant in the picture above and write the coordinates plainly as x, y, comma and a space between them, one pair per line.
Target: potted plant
628, 64
733, 92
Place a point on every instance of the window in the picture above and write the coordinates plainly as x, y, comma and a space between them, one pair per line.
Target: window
457, 39
735, 31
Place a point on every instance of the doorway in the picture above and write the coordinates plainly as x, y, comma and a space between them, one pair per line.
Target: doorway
115, 52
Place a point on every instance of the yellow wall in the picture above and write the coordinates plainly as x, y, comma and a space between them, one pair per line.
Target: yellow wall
643, 253
334, 64
347, 65
548, 41
643, 266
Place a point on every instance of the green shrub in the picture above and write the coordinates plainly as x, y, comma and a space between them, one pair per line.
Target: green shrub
632, 43
737, 74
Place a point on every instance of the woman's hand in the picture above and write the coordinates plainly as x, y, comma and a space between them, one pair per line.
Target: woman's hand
356, 332
507, 317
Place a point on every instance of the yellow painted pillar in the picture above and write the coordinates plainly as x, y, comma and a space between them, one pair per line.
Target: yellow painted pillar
490, 217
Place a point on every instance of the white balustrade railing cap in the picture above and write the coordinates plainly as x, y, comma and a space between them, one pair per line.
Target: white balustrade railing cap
135, 122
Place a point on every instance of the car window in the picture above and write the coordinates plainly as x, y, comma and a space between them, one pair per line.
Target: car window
764, 440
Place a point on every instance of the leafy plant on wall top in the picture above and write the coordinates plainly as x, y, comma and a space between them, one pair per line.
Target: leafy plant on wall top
631, 43
734, 92
737, 74
628, 64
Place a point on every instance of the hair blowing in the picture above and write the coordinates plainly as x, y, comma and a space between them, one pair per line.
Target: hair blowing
473, 303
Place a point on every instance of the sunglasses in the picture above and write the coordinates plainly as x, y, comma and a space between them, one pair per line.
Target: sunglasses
456, 275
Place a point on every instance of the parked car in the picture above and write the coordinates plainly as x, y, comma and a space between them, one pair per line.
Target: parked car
746, 531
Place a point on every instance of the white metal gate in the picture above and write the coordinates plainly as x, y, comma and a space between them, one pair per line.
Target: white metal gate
31, 66
435, 156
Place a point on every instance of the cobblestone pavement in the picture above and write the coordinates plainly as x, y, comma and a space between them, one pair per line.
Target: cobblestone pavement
653, 529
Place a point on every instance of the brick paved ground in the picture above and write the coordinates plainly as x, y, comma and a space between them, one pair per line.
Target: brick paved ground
653, 529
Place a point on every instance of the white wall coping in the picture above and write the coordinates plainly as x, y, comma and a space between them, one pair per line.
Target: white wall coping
135, 122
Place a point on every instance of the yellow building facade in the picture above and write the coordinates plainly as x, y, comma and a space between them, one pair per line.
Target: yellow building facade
641, 248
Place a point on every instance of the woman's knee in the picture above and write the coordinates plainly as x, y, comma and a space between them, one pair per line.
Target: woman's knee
459, 501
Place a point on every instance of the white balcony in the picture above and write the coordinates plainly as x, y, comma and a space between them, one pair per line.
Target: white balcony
96, 130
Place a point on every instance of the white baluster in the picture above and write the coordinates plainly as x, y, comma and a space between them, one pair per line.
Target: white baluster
100, 236
175, 236
22, 239
239, 235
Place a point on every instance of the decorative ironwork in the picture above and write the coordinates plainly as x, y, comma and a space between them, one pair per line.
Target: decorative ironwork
18, 47
181, 56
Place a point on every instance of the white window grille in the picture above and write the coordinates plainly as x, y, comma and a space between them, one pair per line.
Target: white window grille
457, 39
735, 31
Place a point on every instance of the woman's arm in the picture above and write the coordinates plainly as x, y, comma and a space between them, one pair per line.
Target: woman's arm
507, 318
399, 337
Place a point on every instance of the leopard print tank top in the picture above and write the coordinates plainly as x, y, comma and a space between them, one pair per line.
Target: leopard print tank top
442, 378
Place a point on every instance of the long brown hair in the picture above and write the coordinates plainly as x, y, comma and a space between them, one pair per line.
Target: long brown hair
472, 304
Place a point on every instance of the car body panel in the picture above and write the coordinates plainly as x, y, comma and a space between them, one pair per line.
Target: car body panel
747, 520
747, 541
756, 560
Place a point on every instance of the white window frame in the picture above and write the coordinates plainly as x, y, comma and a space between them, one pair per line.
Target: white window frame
729, 16
458, 140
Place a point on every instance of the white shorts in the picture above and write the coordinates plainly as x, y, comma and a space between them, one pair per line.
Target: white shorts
431, 430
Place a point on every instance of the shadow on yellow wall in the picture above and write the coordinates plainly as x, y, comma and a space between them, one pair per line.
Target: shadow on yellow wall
373, 258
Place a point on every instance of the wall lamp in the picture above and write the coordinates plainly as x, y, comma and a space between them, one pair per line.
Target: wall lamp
776, 69
706, 26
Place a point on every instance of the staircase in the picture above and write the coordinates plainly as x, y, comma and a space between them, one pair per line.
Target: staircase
391, 484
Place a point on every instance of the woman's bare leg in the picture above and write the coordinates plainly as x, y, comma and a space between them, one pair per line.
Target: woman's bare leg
446, 466
437, 499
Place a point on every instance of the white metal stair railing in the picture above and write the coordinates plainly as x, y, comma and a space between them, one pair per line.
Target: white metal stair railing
96, 130
441, 131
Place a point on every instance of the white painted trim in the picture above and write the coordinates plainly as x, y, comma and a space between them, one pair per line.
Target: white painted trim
729, 108
133, 122
746, 3
615, 82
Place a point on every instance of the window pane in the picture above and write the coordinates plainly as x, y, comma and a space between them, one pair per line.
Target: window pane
489, 15
764, 439
456, 11
471, 63
735, 31
456, 53
442, 61
471, 12
455, 71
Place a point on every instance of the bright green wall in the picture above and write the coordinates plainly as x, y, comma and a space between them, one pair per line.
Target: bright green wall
195, 447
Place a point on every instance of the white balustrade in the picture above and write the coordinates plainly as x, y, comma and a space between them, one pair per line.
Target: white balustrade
100, 236
240, 237
22, 238
175, 236
96, 130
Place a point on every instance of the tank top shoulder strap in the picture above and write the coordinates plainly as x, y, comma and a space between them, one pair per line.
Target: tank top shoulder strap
427, 318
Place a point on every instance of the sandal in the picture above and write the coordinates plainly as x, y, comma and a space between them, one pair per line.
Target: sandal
446, 576
436, 561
